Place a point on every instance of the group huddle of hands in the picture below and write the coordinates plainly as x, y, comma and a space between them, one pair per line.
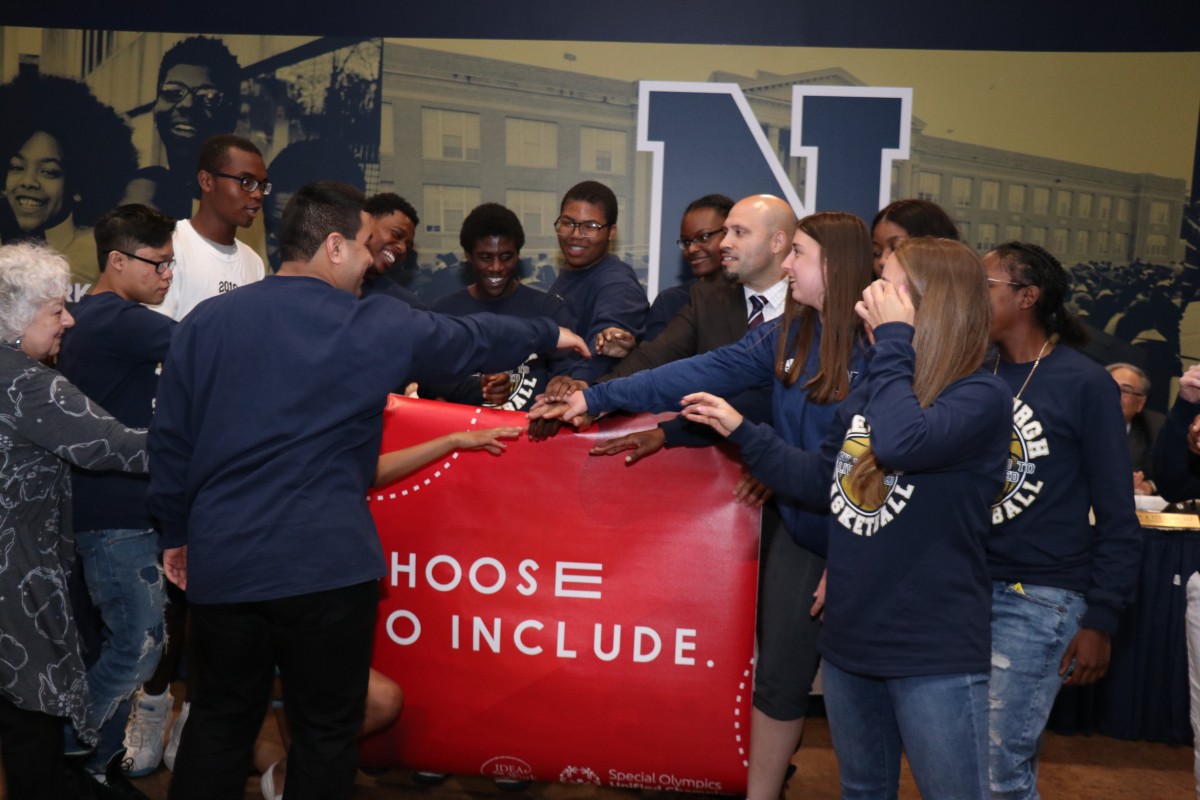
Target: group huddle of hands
563, 400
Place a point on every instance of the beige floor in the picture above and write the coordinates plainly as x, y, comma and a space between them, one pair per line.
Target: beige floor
1073, 768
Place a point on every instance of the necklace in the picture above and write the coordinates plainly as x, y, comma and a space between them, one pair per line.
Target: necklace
1036, 361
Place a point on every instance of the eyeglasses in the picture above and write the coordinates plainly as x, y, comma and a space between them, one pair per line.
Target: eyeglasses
700, 238
159, 266
588, 230
248, 184
1010, 283
175, 93
1129, 390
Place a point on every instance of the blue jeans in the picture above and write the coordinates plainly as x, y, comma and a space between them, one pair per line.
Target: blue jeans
939, 721
1030, 633
125, 582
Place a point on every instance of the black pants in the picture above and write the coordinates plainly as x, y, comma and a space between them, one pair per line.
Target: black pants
322, 645
31, 744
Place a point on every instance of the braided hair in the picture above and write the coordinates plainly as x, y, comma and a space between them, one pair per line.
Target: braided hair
1032, 265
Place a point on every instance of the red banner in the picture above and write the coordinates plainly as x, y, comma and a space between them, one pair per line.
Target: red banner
561, 617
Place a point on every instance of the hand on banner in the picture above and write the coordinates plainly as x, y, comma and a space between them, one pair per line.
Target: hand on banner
642, 443
818, 607
615, 342
712, 411
751, 491
573, 410
487, 439
496, 388
542, 429
562, 385
1090, 650
883, 302
175, 565
569, 340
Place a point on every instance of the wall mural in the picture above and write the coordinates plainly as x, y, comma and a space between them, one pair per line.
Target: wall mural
1011, 147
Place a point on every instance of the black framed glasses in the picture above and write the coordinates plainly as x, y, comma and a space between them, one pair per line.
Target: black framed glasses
588, 230
159, 266
175, 93
248, 184
703, 238
1129, 390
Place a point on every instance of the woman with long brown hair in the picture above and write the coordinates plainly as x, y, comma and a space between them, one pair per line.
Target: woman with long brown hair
811, 357
916, 456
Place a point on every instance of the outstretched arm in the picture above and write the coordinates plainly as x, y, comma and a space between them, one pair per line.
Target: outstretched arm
398, 463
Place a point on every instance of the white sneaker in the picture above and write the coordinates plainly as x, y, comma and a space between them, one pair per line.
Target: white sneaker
144, 732
176, 734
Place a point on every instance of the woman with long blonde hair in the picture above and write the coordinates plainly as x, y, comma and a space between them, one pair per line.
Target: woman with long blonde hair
915, 457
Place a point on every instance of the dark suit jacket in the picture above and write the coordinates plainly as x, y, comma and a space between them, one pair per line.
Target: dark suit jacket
1143, 431
714, 317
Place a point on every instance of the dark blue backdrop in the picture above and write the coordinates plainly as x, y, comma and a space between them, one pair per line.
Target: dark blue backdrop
1150, 26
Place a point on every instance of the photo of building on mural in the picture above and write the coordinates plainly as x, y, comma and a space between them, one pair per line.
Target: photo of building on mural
593, 185
448, 129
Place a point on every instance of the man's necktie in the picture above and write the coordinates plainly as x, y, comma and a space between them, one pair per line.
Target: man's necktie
756, 312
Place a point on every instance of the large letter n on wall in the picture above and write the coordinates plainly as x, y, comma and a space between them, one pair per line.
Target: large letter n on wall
704, 139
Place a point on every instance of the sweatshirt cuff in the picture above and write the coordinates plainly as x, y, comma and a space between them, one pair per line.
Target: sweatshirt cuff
1100, 618
173, 535
1184, 412
746, 435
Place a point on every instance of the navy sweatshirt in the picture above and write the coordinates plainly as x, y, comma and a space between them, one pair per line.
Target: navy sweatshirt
604, 295
268, 426
1176, 467
907, 589
746, 364
533, 372
1070, 454
113, 355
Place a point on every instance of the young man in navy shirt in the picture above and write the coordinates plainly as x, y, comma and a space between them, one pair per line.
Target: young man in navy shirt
601, 290
263, 456
114, 355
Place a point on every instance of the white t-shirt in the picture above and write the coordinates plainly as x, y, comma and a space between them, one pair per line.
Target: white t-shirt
205, 269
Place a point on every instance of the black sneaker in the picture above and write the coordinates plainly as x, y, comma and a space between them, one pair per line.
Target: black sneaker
117, 786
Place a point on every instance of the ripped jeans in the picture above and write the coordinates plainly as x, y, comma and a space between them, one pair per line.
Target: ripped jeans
1030, 633
125, 581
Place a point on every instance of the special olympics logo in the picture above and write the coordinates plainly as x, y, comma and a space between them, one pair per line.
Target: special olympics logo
507, 767
578, 776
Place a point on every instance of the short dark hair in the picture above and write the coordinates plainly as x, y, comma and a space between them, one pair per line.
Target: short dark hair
595, 193
385, 203
717, 202
918, 218
490, 219
315, 211
130, 227
214, 153
223, 68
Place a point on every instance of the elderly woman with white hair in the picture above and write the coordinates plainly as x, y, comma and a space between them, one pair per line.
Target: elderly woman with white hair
46, 425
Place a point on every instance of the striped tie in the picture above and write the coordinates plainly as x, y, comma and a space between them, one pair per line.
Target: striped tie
756, 312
